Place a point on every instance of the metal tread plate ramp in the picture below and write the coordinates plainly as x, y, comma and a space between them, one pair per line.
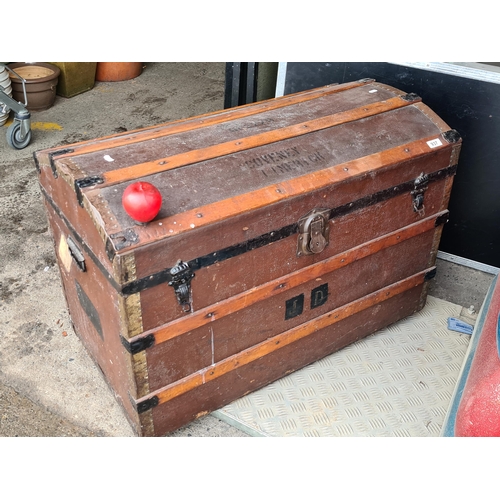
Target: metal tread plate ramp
397, 382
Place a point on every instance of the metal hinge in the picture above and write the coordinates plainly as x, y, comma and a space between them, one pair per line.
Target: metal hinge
442, 219
411, 97
85, 183
430, 275
419, 187
181, 276
54, 154
314, 232
138, 345
147, 404
452, 136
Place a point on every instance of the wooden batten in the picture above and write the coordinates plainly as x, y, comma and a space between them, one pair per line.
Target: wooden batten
214, 312
279, 341
207, 215
201, 121
168, 163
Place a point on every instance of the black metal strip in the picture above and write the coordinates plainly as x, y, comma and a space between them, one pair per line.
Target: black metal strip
263, 240
82, 243
165, 276
452, 136
37, 163
89, 309
389, 193
84, 183
442, 219
411, 97
207, 260
241, 248
147, 404
138, 345
430, 275
51, 159
118, 241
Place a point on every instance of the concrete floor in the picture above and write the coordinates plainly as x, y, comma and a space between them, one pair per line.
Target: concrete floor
48, 384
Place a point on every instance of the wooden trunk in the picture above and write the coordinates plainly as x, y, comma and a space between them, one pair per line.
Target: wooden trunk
289, 228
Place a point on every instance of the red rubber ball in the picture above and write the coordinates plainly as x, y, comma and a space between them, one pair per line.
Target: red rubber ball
142, 201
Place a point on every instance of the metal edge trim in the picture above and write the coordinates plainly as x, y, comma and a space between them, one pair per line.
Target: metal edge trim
280, 82
454, 69
479, 266
37, 163
135, 346
146, 404
53, 154
238, 424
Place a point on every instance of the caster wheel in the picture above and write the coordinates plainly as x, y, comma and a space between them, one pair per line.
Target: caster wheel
14, 136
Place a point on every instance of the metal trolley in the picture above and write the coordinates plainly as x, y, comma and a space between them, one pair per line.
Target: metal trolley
19, 132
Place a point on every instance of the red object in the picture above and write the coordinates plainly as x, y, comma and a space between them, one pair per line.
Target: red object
479, 410
142, 201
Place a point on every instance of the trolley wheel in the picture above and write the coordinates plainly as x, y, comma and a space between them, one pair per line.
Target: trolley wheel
14, 136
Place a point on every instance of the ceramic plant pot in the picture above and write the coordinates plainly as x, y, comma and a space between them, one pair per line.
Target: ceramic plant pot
117, 71
75, 77
41, 83
7, 89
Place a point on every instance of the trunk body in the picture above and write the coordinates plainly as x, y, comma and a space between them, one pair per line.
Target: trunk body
289, 228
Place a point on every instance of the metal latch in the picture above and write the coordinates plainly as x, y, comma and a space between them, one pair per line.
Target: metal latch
314, 232
182, 275
420, 186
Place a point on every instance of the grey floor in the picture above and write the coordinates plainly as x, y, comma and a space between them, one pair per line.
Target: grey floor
48, 385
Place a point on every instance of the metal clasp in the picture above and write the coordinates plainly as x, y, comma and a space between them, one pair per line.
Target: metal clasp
182, 275
314, 232
420, 186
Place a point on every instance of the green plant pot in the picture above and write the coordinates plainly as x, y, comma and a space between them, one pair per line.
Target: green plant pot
75, 77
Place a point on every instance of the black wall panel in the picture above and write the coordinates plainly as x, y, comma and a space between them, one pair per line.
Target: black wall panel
472, 107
